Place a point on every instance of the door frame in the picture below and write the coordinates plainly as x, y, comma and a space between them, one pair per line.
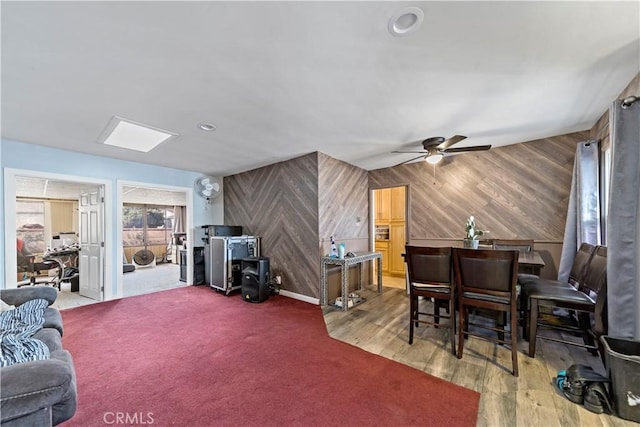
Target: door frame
10, 174
120, 184
372, 215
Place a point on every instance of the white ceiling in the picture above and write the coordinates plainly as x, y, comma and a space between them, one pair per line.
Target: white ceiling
282, 79
42, 188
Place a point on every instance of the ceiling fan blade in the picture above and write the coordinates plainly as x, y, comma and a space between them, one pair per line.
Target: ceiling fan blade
464, 149
449, 142
411, 160
412, 152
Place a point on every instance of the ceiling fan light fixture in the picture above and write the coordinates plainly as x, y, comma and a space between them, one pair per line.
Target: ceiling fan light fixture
405, 21
434, 158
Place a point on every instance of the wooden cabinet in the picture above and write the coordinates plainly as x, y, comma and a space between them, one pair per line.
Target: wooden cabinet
397, 204
383, 248
383, 204
390, 215
397, 242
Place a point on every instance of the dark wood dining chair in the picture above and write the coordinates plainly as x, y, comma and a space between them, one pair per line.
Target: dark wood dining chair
486, 279
523, 246
581, 303
536, 284
429, 271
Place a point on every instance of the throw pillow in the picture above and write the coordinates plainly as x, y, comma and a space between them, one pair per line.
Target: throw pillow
5, 307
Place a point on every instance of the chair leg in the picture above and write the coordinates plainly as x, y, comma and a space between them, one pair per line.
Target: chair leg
501, 321
461, 322
585, 326
436, 313
514, 341
466, 323
412, 313
452, 320
525, 319
533, 326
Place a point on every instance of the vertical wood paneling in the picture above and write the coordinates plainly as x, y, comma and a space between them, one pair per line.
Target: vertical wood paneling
517, 191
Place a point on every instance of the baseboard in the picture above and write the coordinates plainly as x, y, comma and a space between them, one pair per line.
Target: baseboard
300, 297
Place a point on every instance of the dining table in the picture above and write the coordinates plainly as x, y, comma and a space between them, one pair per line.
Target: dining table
530, 262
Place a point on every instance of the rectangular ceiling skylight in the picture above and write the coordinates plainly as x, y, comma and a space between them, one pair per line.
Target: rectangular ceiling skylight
134, 136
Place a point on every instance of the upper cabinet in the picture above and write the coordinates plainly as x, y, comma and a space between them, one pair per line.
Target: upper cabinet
383, 204
397, 203
390, 204
390, 228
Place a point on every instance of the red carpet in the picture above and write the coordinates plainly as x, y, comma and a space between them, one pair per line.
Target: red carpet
193, 357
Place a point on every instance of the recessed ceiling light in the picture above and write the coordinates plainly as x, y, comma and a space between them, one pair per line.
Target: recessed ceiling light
208, 127
405, 21
128, 134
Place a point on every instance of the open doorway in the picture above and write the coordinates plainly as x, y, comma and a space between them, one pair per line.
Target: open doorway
390, 233
43, 210
152, 239
154, 223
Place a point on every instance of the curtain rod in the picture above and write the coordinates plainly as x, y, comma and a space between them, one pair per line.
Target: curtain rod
628, 101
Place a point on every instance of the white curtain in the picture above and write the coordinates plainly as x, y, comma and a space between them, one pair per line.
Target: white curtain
178, 219
623, 232
583, 213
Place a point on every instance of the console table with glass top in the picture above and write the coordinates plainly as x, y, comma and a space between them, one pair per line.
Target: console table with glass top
345, 263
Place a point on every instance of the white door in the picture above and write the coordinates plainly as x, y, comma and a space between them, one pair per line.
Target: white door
91, 259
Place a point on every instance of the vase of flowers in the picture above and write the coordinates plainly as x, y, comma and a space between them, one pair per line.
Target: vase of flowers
472, 234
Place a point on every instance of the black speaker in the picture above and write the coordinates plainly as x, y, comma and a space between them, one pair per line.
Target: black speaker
255, 279
198, 265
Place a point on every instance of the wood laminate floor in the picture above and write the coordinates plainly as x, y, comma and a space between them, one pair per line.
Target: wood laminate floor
394, 282
381, 326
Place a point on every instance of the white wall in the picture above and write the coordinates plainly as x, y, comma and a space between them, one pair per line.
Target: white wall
112, 172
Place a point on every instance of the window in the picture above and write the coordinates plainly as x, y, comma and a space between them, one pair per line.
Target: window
30, 225
144, 225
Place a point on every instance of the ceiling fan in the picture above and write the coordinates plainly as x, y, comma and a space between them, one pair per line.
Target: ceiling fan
436, 147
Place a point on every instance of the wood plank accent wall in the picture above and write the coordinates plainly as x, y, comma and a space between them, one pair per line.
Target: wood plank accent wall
516, 192
279, 203
343, 196
295, 206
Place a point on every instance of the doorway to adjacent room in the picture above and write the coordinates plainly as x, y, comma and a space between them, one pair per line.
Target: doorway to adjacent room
389, 220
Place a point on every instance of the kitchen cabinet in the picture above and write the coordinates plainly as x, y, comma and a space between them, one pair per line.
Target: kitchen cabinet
397, 242
383, 248
383, 204
390, 207
397, 204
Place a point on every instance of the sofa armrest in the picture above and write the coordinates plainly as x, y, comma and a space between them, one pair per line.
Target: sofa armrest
31, 386
22, 295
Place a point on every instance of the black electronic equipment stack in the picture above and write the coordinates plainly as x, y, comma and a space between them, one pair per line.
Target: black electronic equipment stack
198, 265
255, 279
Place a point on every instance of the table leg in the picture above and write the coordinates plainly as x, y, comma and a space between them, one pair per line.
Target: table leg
379, 275
323, 283
345, 286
